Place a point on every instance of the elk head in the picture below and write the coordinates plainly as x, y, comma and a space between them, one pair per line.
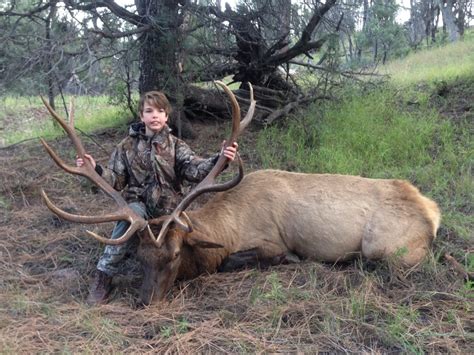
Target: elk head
160, 256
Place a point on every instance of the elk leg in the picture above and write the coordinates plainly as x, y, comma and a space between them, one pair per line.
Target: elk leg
249, 259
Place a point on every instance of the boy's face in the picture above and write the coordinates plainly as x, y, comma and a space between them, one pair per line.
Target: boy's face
154, 118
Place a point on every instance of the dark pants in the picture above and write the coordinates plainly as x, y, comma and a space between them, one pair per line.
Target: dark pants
113, 255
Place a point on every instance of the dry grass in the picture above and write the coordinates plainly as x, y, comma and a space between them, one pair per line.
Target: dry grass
357, 307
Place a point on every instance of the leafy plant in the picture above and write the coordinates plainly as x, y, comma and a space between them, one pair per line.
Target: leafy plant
277, 292
182, 326
166, 331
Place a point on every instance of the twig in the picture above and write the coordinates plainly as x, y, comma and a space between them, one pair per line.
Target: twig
93, 140
469, 276
292, 105
18, 143
36, 138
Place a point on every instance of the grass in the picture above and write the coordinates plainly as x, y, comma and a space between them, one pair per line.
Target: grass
23, 118
430, 65
366, 135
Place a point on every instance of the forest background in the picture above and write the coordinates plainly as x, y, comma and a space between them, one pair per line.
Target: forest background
119, 49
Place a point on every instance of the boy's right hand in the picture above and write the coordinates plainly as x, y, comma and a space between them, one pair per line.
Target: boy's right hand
80, 161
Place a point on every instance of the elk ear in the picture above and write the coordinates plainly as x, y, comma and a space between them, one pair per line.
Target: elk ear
196, 242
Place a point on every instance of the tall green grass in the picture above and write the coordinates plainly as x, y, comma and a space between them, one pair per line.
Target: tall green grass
26, 117
366, 135
430, 65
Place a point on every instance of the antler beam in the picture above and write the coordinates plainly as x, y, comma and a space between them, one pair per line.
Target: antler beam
123, 213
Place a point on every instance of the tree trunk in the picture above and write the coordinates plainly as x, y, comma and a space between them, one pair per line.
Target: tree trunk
49, 59
461, 21
449, 19
151, 59
351, 47
375, 51
284, 15
434, 27
365, 16
385, 54
417, 26
158, 46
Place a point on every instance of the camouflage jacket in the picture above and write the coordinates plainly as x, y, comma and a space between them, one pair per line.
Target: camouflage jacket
151, 169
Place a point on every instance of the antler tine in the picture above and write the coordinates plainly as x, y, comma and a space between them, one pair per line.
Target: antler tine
176, 214
94, 219
236, 130
248, 117
212, 187
208, 184
69, 130
87, 170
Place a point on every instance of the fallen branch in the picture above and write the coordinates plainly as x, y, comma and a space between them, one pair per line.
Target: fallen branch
37, 138
291, 106
468, 276
18, 143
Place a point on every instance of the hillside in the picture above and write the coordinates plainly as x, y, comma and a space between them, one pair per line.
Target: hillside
357, 306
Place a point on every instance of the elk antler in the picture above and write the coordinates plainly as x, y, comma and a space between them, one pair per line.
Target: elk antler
124, 212
209, 184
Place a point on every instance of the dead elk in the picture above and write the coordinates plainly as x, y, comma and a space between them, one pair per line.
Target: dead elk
321, 217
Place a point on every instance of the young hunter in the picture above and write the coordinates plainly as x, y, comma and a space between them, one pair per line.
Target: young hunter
148, 167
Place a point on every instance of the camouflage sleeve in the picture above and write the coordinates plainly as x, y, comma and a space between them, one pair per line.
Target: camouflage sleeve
116, 171
191, 167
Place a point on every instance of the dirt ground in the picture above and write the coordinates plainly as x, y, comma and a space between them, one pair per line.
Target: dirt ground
46, 263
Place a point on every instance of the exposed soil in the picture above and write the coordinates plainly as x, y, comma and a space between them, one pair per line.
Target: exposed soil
45, 265
455, 100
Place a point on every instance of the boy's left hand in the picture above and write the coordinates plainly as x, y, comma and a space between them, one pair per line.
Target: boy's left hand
231, 151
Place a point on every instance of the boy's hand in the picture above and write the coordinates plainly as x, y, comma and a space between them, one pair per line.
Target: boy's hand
231, 151
80, 161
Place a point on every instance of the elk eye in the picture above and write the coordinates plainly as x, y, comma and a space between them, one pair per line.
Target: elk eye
176, 254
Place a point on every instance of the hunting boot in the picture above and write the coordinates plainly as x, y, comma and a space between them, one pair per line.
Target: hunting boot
99, 288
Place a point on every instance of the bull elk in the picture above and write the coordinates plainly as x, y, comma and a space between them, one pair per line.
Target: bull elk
321, 217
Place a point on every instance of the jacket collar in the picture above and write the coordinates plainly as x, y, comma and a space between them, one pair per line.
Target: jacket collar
137, 130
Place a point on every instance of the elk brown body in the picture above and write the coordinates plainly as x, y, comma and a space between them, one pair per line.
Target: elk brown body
320, 217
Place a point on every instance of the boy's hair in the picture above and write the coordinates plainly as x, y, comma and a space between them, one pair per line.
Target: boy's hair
154, 98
